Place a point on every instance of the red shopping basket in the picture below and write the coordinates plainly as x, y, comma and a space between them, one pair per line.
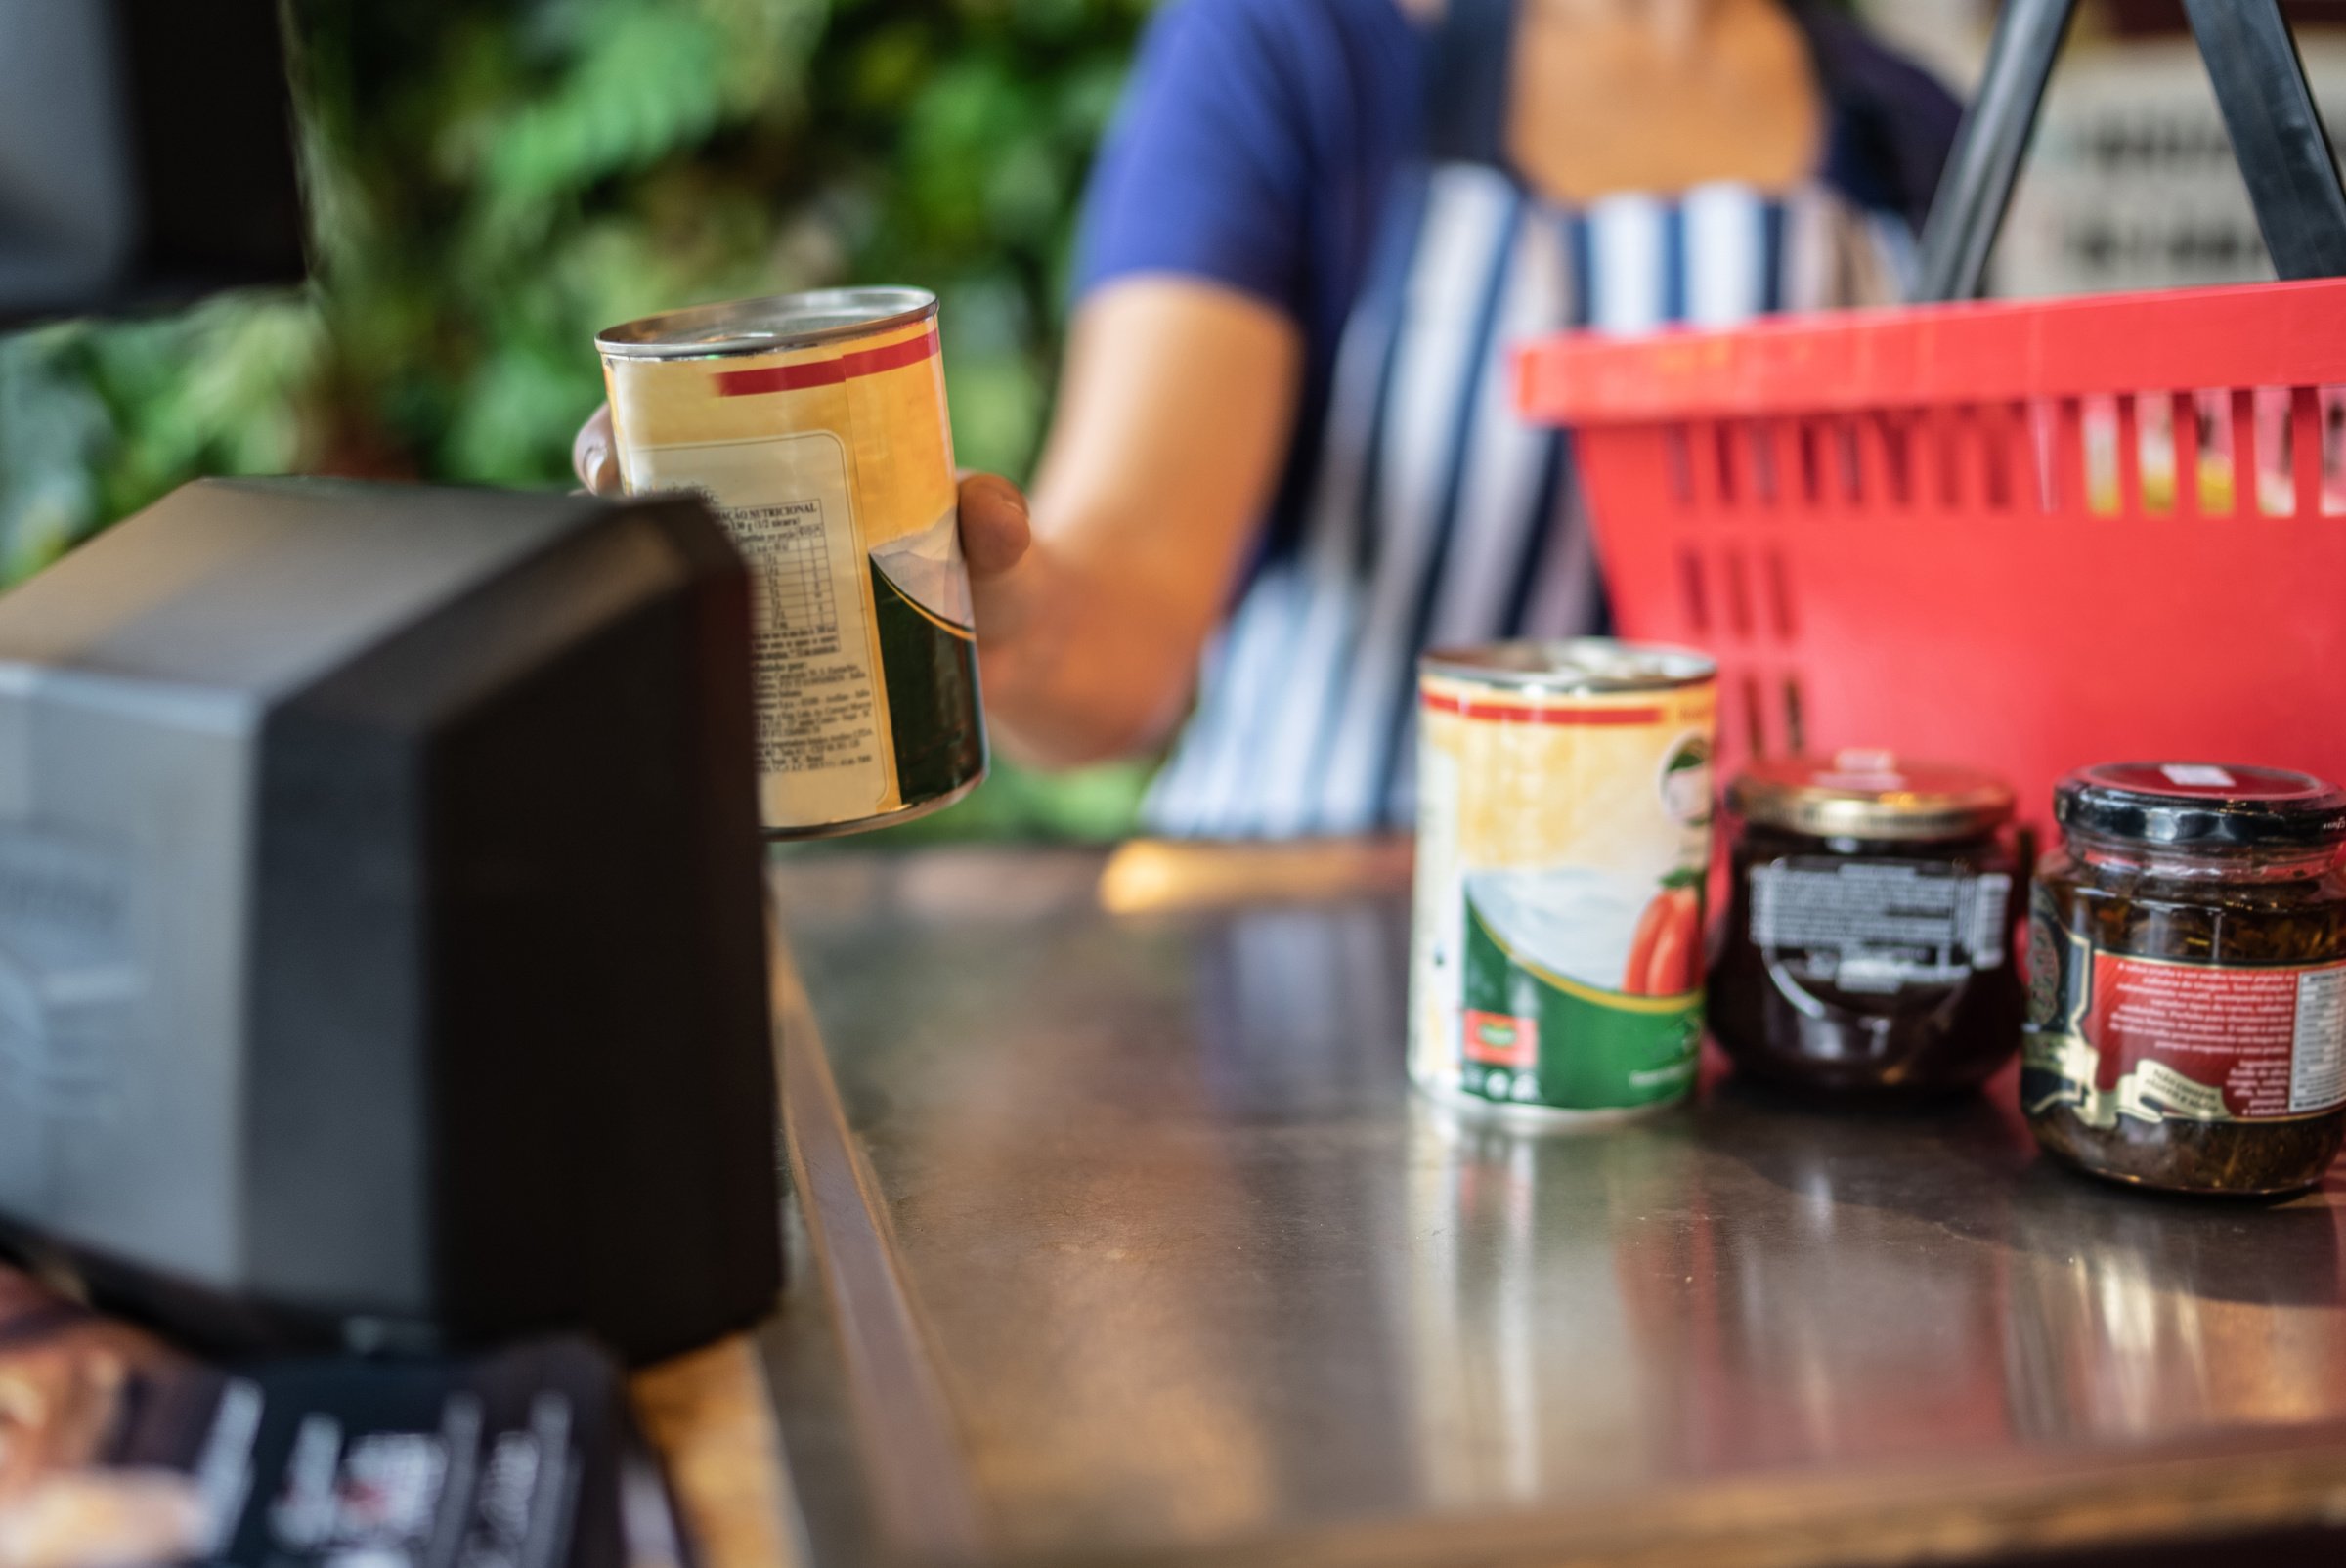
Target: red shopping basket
1889, 529
2029, 536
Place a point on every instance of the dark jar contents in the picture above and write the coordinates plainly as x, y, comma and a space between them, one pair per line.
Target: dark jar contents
1869, 940
2187, 956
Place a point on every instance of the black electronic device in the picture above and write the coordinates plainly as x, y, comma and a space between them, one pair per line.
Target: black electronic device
382, 948
147, 154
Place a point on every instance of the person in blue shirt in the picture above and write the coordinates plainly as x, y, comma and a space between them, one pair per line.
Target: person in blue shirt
1284, 458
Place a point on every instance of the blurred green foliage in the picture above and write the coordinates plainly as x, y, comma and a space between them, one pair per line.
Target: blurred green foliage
492, 181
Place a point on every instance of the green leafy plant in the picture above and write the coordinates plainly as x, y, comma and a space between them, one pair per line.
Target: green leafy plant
492, 182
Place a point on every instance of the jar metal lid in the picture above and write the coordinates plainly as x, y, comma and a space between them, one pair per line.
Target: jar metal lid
2203, 804
767, 326
1870, 795
1573, 665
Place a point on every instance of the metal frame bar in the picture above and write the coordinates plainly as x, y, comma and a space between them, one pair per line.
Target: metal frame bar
2276, 133
1968, 212
2269, 111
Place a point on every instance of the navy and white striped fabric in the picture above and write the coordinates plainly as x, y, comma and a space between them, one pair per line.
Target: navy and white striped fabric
1436, 515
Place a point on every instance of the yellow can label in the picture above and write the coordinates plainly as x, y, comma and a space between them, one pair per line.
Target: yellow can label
833, 471
1563, 845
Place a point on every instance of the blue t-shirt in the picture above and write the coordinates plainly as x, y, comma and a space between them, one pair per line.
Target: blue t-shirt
1259, 139
1346, 165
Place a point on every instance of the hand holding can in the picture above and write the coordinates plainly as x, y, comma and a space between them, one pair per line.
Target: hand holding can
815, 425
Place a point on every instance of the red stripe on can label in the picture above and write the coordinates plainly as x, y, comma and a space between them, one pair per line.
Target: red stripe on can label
1528, 713
827, 372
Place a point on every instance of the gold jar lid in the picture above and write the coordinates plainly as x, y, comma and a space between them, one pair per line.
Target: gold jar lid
1870, 795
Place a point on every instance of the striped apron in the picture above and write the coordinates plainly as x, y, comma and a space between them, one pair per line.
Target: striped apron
1435, 515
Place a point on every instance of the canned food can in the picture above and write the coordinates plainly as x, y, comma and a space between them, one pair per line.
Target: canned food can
1564, 809
814, 424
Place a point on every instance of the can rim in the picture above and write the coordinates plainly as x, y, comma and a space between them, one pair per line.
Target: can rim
765, 325
1573, 665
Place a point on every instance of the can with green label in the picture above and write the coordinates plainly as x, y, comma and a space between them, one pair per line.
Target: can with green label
1564, 845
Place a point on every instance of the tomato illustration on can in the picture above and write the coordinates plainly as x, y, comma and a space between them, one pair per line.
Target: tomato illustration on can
1666, 953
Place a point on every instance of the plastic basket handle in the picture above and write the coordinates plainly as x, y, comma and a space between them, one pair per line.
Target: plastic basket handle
2277, 136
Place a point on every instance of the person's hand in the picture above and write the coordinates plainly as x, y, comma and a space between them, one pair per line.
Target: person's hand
995, 537
994, 531
593, 457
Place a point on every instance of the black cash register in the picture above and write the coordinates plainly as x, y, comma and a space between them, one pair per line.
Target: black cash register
382, 936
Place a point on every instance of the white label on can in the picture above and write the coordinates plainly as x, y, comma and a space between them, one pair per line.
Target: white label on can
822, 753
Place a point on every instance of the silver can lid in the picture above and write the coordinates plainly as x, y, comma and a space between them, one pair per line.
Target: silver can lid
767, 326
1574, 665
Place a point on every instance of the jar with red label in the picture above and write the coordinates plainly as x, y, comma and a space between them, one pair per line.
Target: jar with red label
2187, 956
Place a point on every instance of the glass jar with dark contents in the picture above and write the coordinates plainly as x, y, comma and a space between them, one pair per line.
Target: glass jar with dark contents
2186, 957
1869, 942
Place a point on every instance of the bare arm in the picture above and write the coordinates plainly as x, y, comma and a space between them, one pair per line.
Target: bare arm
1175, 409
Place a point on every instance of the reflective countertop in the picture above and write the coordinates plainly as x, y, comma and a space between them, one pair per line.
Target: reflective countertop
1143, 1247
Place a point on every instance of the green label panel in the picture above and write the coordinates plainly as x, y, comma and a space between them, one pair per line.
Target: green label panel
1531, 1037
